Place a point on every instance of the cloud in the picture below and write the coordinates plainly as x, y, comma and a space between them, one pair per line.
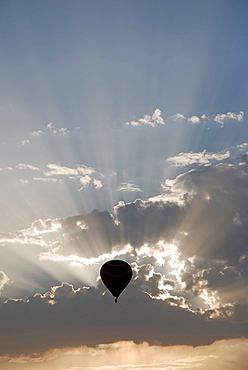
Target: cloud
24, 181
8, 237
235, 155
37, 133
57, 170
220, 118
4, 279
64, 130
154, 120
97, 184
84, 175
214, 231
6, 168
190, 263
65, 317
24, 142
24, 166
84, 181
45, 179
194, 119
51, 127
43, 226
203, 158
129, 187
178, 116
143, 221
200, 236
223, 117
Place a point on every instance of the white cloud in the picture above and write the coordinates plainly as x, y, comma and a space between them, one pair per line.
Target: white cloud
6, 169
84, 175
223, 117
97, 184
194, 119
50, 127
13, 238
42, 227
127, 186
178, 116
220, 118
201, 158
154, 120
24, 166
37, 133
64, 130
4, 279
51, 179
24, 181
24, 142
57, 170
84, 181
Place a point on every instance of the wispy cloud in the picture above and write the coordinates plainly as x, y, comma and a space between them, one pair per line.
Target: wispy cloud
6, 168
203, 158
46, 179
129, 187
58, 170
24, 142
37, 133
178, 117
235, 154
25, 166
54, 130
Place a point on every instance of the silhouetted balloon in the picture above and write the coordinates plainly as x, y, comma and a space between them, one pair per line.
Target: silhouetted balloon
116, 275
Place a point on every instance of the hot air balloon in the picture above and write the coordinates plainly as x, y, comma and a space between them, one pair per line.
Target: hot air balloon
116, 275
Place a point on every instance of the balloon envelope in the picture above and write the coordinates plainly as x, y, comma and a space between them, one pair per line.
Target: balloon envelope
116, 275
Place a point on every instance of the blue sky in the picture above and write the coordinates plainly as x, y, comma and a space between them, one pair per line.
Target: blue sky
123, 134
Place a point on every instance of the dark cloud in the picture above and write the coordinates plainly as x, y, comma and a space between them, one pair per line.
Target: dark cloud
212, 223
146, 222
67, 317
211, 226
216, 223
89, 235
98, 232
209, 234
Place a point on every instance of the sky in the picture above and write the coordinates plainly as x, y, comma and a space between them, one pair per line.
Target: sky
124, 135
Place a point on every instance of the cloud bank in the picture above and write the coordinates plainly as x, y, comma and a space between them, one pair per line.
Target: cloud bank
190, 263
